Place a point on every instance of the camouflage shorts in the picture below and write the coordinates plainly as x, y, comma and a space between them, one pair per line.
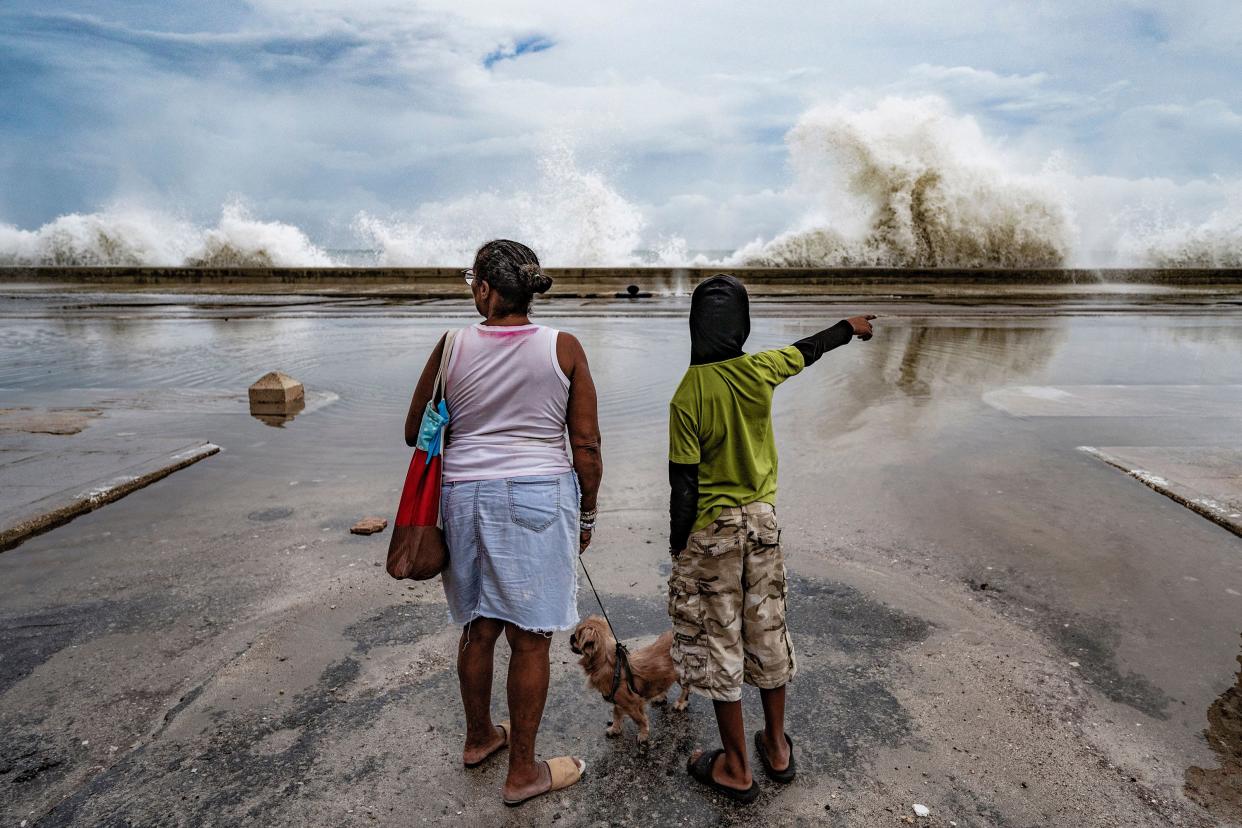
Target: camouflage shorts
726, 596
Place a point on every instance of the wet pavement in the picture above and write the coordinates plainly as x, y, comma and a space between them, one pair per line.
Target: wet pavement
1207, 480
990, 622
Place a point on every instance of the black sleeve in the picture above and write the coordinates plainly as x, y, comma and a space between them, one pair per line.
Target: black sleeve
816, 345
684, 505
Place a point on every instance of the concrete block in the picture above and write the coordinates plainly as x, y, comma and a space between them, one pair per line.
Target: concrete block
277, 389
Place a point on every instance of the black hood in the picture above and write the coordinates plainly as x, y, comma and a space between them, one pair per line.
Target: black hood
719, 320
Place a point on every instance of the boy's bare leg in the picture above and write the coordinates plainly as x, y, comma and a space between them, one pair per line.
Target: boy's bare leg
732, 769
774, 727
475, 653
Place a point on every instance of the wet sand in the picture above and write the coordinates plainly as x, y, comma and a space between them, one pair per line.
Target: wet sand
990, 622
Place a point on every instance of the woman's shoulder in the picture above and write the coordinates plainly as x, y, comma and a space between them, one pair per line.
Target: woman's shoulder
569, 353
565, 341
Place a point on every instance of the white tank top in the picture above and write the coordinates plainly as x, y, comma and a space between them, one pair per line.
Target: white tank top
507, 398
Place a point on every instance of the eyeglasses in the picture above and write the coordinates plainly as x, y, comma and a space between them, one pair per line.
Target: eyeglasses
469, 276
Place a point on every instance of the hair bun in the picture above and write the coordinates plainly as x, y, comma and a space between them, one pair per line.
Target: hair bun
538, 281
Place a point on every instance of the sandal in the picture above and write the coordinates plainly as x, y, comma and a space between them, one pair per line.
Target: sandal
701, 770
783, 776
563, 771
504, 729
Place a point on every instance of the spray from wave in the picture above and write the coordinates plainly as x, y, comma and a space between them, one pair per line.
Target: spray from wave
130, 236
572, 217
908, 184
1165, 242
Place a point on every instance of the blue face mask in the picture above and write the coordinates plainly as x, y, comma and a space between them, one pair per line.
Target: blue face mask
431, 430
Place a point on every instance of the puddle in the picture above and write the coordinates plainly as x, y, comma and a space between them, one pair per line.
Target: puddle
1220, 789
1092, 643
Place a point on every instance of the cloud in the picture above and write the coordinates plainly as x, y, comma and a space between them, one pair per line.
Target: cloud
1198, 139
1032, 93
1207, 114
315, 110
510, 51
189, 53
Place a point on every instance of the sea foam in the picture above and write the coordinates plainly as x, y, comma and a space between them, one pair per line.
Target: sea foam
1216, 242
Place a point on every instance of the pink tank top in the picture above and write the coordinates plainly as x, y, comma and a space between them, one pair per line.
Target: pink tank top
507, 398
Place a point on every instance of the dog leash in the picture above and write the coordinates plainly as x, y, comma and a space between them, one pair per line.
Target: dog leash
622, 665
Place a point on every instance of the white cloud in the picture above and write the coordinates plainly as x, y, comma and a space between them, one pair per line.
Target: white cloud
1207, 114
315, 110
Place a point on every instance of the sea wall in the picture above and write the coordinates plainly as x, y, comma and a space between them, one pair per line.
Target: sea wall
619, 277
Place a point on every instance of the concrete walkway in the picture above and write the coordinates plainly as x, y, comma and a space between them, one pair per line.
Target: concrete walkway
989, 623
1117, 400
66, 452
49, 479
1205, 479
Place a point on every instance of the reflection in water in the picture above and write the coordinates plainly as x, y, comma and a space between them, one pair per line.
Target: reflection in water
277, 414
917, 377
929, 358
1205, 334
1220, 789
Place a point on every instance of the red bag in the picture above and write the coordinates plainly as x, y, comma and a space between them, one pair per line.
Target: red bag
417, 549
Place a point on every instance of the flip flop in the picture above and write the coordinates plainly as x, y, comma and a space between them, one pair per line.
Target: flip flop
783, 776
701, 771
504, 728
563, 771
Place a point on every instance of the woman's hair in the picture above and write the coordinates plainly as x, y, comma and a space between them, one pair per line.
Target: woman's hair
512, 269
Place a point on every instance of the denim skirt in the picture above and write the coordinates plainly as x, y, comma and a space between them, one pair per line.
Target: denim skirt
513, 551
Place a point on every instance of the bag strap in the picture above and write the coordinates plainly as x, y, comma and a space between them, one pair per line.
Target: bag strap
437, 391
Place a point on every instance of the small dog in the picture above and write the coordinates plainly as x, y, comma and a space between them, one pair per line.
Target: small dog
652, 667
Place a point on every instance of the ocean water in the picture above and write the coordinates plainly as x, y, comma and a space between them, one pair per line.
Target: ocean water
902, 183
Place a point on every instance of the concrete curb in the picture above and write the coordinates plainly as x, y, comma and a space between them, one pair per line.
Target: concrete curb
1196, 501
63, 507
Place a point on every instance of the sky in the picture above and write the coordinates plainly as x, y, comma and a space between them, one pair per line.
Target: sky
336, 116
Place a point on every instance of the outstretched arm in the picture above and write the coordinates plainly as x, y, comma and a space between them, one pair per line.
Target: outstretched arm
422, 394
816, 345
683, 478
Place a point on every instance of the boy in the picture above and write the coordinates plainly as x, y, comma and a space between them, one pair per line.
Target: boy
727, 587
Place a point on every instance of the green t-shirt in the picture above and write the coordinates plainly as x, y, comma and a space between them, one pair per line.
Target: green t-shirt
721, 418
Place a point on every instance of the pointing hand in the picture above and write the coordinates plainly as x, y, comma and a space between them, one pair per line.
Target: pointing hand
862, 326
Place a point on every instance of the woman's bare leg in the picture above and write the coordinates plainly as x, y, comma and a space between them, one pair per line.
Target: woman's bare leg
528, 690
475, 653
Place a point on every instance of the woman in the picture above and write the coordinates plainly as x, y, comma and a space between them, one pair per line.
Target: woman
516, 510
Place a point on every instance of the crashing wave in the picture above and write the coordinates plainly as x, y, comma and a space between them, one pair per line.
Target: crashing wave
573, 217
908, 184
125, 236
1217, 242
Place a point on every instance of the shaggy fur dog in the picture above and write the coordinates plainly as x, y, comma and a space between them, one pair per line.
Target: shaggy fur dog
652, 667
